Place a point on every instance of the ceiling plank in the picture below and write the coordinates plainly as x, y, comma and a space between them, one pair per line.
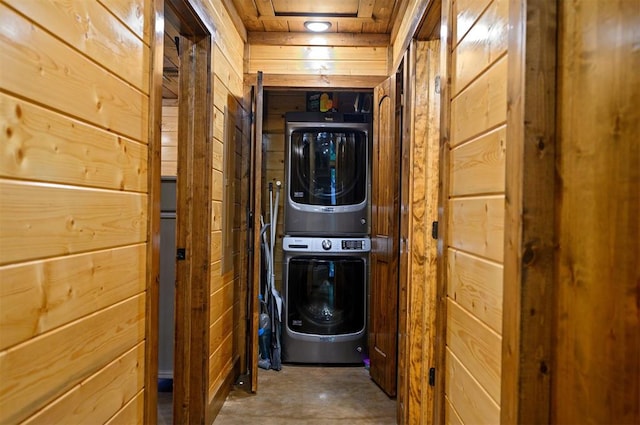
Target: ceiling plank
365, 8
265, 8
307, 39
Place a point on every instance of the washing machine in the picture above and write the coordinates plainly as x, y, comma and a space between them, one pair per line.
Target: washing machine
328, 169
326, 299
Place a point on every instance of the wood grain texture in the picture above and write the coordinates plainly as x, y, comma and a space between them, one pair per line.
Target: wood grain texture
328, 39
476, 225
131, 413
85, 26
134, 13
61, 78
464, 14
485, 42
38, 221
530, 240
479, 165
597, 347
476, 285
37, 297
101, 396
31, 371
290, 81
472, 403
39, 144
477, 347
482, 106
424, 200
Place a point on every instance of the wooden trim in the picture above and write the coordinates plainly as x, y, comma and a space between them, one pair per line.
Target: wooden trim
293, 82
404, 264
153, 215
236, 19
329, 39
405, 27
257, 203
530, 213
439, 413
191, 363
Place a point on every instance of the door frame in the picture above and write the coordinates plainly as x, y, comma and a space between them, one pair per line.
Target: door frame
193, 222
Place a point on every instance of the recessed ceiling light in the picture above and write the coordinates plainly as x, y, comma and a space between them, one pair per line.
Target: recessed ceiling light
317, 26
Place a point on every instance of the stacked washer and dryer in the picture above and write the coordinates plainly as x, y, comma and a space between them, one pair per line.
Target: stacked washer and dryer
327, 237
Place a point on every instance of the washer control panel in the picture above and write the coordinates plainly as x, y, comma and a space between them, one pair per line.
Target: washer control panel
329, 245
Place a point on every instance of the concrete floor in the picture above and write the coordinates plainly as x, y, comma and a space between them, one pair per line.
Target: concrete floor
308, 395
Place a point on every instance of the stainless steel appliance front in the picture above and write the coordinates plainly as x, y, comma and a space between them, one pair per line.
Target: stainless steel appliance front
325, 299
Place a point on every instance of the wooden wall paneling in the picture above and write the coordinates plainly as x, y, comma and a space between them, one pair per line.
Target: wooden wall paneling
476, 225
530, 241
327, 39
482, 106
477, 51
169, 141
84, 26
597, 340
37, 297
475, 202
31, 371
274, 80
131, 412
324, 60
477, 346
469, 403
66, 81
479, 165
226, 37
464, 14
40, 144
99, 397
476, 285
230, 77
39, 221
134, 13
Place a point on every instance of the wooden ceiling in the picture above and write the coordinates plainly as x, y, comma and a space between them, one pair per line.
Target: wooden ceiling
346, 16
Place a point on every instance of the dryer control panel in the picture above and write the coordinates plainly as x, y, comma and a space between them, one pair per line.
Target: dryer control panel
325, 245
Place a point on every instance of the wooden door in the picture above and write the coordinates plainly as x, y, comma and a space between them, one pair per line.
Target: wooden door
383, 333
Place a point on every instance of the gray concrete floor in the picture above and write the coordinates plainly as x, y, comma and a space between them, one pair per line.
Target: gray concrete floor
304, 395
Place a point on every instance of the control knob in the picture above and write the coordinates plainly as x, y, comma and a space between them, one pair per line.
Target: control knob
326, 244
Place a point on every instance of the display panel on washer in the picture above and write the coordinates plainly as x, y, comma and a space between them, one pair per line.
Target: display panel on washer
327, 174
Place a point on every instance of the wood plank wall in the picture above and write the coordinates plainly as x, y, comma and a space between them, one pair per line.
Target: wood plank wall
323, 60
74, 95
475, 209
169, 149
597, 334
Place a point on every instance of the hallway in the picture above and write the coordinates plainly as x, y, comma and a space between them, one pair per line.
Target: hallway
310, 395
302, 395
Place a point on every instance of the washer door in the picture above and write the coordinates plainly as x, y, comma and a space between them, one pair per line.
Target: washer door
326, 295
